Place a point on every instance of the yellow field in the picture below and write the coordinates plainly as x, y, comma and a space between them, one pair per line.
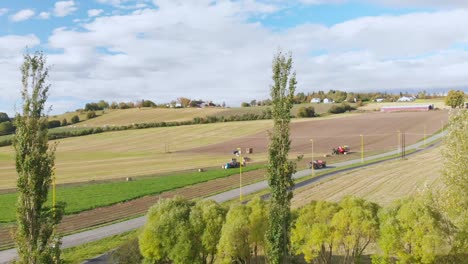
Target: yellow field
136, 152
381, 183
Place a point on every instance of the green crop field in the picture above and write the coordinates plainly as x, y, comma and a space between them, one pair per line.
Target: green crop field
381, 183
88, 196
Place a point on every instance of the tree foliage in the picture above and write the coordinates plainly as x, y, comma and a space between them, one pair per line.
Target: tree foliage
6, 128
4, 117
410, 230
280, 169
455, 177
75, 119
313, 234
35, 237
455, 98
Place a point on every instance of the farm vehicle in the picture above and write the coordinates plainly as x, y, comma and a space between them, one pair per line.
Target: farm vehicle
234, 164
340, 150
318, 164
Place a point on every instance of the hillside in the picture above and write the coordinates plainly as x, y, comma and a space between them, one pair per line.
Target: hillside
119, 117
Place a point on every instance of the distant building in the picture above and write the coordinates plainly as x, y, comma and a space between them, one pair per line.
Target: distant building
315, 100
178, 105
327, 101
406, 99
379, 100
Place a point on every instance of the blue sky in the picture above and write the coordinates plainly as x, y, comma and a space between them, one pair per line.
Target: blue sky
126, 50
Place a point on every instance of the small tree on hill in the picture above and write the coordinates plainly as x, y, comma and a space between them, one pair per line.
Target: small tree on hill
35, 237
4, 117
455, 98
280, 169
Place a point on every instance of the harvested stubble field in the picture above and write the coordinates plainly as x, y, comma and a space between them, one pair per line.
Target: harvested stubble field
148, 151
119, 117
381, 183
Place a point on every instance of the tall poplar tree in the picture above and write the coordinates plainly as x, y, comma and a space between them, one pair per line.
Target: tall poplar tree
35, 235
280, 169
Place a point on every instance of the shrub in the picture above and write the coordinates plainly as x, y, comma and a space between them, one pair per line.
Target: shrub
91, 115
75, 119
306, 112
53, 123
6, 128
64, 122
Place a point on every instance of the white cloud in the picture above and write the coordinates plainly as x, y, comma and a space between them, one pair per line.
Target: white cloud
214, 51
22, 15
64, 8
44, 15
421, 3
3, 11
94, 12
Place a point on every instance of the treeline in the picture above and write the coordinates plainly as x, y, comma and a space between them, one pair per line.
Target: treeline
181, 102
338, 96
180, 231
57, 134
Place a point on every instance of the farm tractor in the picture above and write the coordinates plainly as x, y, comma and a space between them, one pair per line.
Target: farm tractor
318, 164
340, 150
233, 164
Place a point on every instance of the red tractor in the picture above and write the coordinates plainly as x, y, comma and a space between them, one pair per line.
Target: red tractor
318, 164
340, 150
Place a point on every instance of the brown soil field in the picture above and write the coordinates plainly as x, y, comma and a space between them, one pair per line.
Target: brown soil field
379, 131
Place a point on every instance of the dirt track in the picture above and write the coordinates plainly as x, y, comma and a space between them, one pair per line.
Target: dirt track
379, 131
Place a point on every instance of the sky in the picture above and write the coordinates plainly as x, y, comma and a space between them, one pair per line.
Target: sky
159, 50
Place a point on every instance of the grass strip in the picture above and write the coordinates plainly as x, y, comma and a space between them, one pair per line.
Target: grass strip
92, 249
89, 196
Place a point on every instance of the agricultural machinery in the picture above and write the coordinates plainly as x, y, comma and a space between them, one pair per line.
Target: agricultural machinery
340, 150
318, 164
233, 164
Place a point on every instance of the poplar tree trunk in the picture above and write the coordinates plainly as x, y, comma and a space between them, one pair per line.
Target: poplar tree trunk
35, 235
280, 169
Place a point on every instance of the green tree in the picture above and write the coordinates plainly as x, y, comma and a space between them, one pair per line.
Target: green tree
258, 223
234, 245
4, 117
455, 177
280, 169
64, 122
455, 98
312, 234
75, 119
167, 235
35, 237
206, 219
355, 226
410, 230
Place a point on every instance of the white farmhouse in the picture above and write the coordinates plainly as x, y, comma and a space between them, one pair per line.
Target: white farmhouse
327, 101
315, 100
379, 100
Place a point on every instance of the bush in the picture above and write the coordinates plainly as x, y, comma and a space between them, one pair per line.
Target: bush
53, 123
6, 128
75, 119
64, 122
4, 117
127, 253
338, 109
91, 115
306, 112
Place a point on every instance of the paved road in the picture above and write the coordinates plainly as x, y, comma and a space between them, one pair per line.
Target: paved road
118, 228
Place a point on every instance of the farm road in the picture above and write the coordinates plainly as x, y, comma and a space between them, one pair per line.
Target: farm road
124, 226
